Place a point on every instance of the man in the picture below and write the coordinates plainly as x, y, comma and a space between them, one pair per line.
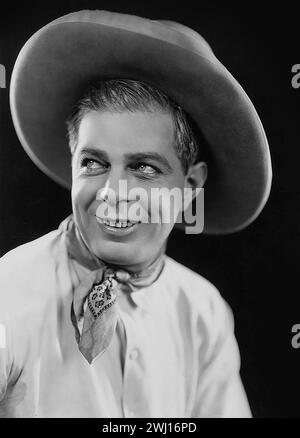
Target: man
98, 321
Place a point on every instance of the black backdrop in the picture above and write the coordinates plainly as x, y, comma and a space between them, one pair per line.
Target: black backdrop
256, 270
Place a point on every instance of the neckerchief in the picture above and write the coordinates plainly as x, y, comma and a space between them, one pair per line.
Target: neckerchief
93, 310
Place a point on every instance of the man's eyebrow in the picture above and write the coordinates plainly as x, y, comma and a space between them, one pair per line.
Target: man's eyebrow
95, 152
155, 156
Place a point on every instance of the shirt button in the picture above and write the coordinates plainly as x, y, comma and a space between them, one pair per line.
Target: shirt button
133, 354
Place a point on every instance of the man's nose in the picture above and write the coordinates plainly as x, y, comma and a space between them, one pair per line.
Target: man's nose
115, 188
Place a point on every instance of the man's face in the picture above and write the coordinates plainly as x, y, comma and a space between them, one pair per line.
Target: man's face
135, 147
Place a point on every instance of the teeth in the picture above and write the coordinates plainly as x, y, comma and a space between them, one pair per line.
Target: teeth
117, 224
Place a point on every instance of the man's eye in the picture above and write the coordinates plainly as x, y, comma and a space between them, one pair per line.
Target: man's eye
89, 164
146, 169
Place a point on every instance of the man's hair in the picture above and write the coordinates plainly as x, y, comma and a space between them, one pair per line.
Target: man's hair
118, 95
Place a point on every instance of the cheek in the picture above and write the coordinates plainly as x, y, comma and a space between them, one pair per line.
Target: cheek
165, 205
163, 199
83, 195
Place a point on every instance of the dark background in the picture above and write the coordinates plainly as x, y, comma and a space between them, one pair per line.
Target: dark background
256, 270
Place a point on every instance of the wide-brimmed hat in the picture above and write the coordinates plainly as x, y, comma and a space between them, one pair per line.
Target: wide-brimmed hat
59, 61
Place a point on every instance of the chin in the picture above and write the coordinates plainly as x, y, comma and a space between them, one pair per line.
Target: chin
118, 254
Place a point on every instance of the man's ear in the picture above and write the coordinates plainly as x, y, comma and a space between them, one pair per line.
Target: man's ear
195, 180
196, 175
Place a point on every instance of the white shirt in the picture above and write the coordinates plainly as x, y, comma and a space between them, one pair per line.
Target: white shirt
173, 354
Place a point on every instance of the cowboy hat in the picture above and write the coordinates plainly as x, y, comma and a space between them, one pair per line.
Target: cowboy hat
58, 62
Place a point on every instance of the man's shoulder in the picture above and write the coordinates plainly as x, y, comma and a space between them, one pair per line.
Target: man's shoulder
22, 256
195, 293
25, 269
188, 279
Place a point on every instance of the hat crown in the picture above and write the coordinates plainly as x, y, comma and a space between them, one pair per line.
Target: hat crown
167, 30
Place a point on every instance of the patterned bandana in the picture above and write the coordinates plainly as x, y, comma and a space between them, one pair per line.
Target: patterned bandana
93, 311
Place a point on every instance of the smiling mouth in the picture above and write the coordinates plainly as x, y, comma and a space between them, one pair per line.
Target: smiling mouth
116, 224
